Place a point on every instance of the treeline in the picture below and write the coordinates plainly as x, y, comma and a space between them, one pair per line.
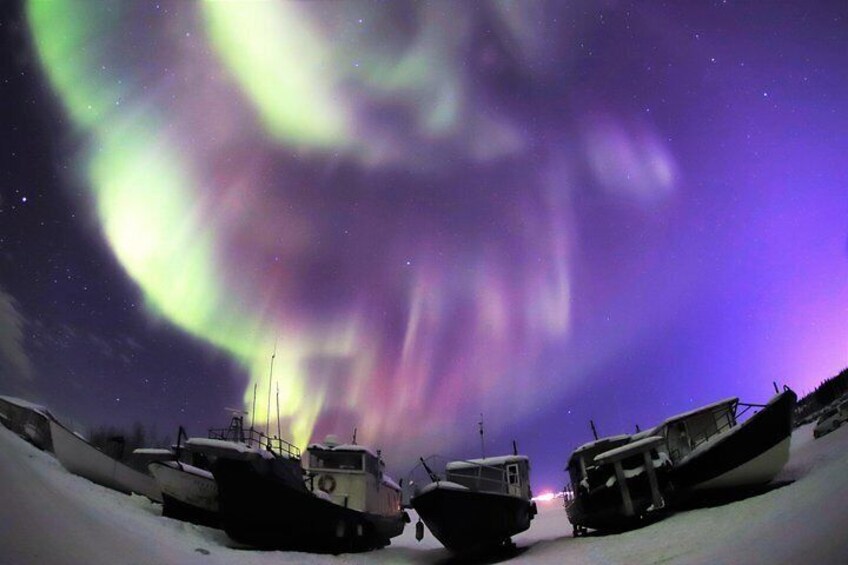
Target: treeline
828, 391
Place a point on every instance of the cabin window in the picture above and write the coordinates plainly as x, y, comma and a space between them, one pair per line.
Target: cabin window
344, 461
371, 465
484, 477
512, 475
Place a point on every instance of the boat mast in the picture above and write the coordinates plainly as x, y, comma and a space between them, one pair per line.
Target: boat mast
253, 413
482, 440
270, 376
279, 431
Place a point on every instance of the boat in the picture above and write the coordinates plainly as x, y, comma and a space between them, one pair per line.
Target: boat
189, 492
83, 459
711, 450
616, 483
340, 500
480, 504
30, 421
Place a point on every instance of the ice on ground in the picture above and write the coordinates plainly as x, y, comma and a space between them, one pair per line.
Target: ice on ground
50, 516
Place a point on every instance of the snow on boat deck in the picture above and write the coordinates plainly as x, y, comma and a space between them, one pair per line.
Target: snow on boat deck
50, 516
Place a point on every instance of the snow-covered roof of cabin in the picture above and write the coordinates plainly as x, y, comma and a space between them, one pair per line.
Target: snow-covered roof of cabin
445, 485
27, 404
344, 447
706, 408
597, 442
226, 445
655, 431
389, 482
152, 451
486, 462
629, 448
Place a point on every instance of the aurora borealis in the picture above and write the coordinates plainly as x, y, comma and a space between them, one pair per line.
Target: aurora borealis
538, 211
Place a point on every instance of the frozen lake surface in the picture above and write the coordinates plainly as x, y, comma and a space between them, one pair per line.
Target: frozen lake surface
50, 516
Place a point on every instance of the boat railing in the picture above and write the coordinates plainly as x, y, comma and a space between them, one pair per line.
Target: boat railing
481, 483
726, 425
254, 438
746, 408
473, 480
706, 436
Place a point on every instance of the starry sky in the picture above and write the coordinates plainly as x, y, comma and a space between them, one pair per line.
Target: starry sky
541, 212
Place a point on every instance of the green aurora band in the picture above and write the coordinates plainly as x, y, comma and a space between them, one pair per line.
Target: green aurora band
143, 199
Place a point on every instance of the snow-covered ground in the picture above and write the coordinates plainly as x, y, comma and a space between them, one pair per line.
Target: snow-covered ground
50, 516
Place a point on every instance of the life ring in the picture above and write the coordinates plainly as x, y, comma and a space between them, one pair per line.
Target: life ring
327, 483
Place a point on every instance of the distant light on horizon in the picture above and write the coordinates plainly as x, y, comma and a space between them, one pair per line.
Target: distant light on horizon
548, 496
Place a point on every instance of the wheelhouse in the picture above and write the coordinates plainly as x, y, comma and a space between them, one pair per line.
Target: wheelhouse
581, 464
505, 475
685, 432
352, 476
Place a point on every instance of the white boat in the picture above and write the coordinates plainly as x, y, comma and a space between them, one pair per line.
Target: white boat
188, 493
83, 459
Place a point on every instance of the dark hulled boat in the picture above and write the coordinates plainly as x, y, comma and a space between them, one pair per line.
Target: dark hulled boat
481, 504
343, 501
616, 483
710, 449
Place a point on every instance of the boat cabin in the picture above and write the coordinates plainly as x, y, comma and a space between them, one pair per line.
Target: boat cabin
615, 481
352, 476
509, 474
582, 460
685, 432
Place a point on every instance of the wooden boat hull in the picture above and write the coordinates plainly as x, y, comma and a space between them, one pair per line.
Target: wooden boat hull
265, 503
466, 520
83, 459
748, 456
188, 494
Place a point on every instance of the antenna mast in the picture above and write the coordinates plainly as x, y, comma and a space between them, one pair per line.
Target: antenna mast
270, 376
482, 440
279, 431
253, 412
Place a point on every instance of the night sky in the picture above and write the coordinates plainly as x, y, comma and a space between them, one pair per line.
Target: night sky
544, 212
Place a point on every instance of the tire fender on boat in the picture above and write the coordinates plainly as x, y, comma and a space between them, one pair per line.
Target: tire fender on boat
327, 483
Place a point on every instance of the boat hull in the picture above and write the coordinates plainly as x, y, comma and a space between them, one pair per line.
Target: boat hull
465, 520
750, 455
83, 459
188, 494
265, 503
